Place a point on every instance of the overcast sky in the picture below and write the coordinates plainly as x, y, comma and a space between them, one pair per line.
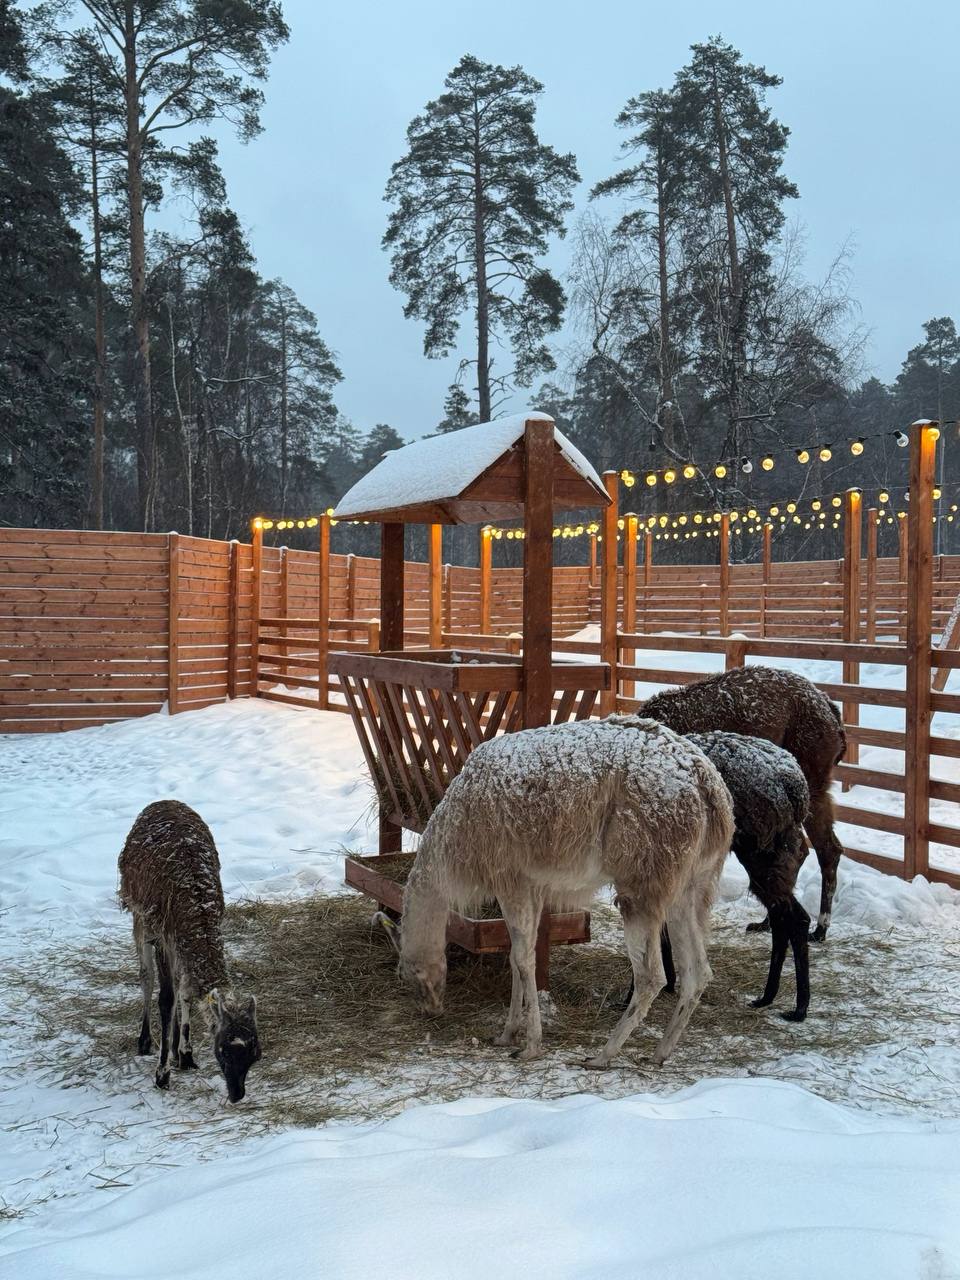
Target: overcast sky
869, 94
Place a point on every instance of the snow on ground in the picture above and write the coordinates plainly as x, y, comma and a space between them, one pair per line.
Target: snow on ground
747, 1179
727, 1177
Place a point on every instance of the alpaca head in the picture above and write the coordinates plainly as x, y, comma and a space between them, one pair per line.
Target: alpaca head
426, 974
236, 1044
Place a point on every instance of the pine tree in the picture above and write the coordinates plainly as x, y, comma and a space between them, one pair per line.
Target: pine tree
456, 410
475, 199
733, 157
44, 345
172, 64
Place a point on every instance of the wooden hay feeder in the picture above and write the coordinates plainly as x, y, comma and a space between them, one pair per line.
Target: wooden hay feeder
420, 712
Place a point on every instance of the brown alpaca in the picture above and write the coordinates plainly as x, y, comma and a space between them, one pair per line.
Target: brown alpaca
787, 710
170, 881
549, 816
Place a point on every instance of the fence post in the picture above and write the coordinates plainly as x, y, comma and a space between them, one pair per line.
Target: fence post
593, 559
725, 573
255, 610
629, 591
351, 611
447, 598
902, 592
486, 563
323, 610
916, 801
435, 592
233, 608
284, 594
852, 541
608, 591
173, 623
873, 520
647, 574
765, 577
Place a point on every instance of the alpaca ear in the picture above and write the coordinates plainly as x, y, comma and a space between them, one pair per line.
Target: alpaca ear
390, 927
216, 1005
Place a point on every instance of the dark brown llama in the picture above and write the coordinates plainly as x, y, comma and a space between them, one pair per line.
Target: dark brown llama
787, 710
170, 881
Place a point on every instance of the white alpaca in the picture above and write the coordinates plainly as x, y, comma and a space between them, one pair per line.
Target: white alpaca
549, 816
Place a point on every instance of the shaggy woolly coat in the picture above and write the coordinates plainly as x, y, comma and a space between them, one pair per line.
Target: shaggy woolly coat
170, 880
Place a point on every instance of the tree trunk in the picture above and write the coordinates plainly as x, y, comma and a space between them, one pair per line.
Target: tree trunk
186, 448
736, 316
284, 456
666, 366
480, 262
100, 341
139, 318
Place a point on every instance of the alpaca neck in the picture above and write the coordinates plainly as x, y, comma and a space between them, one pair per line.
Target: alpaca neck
424, 916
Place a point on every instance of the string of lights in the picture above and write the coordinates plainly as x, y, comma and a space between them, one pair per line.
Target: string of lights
824, 450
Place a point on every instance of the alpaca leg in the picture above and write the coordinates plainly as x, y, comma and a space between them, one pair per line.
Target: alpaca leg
693, 971
799, 932
642, 936
166, 1009
508, 1036
146, 962
523, 916
819, 825
670, 973
780, 913
182, 1050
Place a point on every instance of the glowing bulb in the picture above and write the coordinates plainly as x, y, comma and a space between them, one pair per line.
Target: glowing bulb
629, 480
826, 453
719, 470
774, 511
258, 523
791, 507
767, 463
689, 472
815, 505
698, 518
752, 514
669, 476
268, 524
803, 455
837, 500
883, 495
734, 515
683, 520
856, 448
934, 433
651, 478
936, 493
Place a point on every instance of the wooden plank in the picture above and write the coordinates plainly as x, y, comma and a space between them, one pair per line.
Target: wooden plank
85, 537
538, 460
255, 604
233, 628
391, 586
323, 607
173, 625
435, 562
852, 541
608, 586
724, 573
629, 622
916, 808
871, 600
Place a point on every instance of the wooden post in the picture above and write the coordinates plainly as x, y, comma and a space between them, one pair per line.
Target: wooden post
537, 677
284, 609
916, 802
903, 602
173, 623
647, 574
351, 609
725, 573
873, 521
593, 560
233, 607
486, 565
537, 657
447, 621
765, 577
323, 609
391, 638
435, 593
608, 591
255, 610
852, 542
629, 591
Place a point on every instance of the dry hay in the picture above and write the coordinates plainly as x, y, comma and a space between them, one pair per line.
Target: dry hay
342, 1039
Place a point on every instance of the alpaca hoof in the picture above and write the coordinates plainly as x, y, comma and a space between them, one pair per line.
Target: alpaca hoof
186, 1063
759, 926
162, 1079
599, 1063
819, 934
529, 1054
144, 1047
761, 1002
795, 1015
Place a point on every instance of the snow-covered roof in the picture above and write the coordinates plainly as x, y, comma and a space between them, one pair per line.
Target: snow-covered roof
441, 468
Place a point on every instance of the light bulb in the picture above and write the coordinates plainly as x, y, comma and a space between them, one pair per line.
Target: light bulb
883, 496
767, 463
837, 500
774, 511
901, 438
826, 453
791, 507
669, 476
689, 472
746, 466
856, 448
803, 455
719, 470
815, 505
651, 478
